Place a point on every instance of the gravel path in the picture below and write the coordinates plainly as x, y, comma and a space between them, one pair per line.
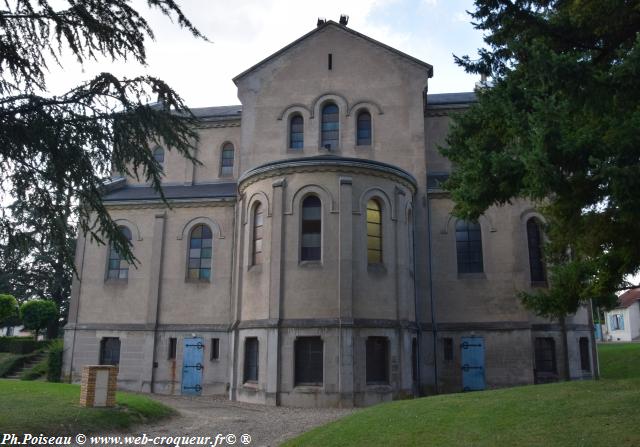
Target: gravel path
267, 426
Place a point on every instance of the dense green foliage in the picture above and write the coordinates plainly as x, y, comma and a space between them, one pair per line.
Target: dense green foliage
54, 361
52, 408
559, 126
8, 309
57, 151
20, 345
581, 413
38, 314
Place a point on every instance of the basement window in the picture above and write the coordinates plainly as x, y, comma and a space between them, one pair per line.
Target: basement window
215, 349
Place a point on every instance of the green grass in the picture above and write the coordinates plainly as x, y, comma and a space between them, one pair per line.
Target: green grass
588, 413
619, 360
52, 408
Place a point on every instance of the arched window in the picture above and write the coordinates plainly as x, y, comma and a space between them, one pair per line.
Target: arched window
296, 132
469, 247
226, 160
363, 136
330, 127
374, 232
158, 155
534, 240
118, 267
311, 247
258, 226
200, 253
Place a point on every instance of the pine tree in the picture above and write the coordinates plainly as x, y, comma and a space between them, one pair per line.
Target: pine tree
56, 151
559, 126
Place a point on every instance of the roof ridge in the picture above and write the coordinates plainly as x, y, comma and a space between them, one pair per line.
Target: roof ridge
325, 25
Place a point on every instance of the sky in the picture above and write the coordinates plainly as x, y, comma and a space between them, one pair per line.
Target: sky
244, 32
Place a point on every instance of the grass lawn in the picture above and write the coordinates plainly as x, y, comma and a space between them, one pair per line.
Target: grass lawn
52, 408
589, 413
619, 360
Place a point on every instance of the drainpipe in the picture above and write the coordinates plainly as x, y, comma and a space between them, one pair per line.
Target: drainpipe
415, 302
80, 275
595, 363
154, 357
433, 311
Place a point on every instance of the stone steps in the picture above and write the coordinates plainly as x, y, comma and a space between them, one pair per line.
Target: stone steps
27, 366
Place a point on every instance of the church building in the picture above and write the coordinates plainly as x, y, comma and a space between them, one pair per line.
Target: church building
312, 258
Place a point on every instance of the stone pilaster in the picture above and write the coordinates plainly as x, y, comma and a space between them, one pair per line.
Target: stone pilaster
153, 300
345, 292
275, 291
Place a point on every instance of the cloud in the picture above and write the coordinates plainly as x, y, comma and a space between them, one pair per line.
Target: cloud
243, 33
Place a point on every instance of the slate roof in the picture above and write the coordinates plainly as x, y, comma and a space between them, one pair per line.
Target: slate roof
218, 112
447, 99
628, 298
176, 192
328, 23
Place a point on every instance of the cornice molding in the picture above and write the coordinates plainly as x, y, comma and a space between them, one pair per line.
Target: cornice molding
298, 166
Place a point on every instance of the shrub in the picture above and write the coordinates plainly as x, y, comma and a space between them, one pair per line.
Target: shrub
8, 309
54, 364
37, 314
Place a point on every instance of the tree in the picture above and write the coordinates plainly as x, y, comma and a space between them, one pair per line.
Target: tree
37, 315
57, 150
558, 126
8, 309
35, 267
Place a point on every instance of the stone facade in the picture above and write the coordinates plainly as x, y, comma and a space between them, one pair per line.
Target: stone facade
381, 330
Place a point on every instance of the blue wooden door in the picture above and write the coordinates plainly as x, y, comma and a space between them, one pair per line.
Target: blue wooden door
472, 363
192, 367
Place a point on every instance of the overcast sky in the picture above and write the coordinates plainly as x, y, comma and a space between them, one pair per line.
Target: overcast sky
247, 31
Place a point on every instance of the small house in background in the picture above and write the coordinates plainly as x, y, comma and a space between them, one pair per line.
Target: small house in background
14, 331
623, 322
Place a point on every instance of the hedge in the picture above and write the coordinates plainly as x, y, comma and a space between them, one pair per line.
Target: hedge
54, 364
20, 345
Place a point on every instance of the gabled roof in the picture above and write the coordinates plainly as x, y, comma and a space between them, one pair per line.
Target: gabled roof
327, 24
628, 298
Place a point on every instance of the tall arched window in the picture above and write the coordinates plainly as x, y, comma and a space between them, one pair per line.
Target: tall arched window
311, 246
200, 253
330, 127
296, 132
363, 137
226, 160
158, 155
534, 240
469, 247
258, 225
118, 267
374, 232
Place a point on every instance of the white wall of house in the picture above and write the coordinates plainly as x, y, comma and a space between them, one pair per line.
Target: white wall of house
631, 329
14, 331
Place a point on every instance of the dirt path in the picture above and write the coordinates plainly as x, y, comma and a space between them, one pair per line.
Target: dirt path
267, 426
